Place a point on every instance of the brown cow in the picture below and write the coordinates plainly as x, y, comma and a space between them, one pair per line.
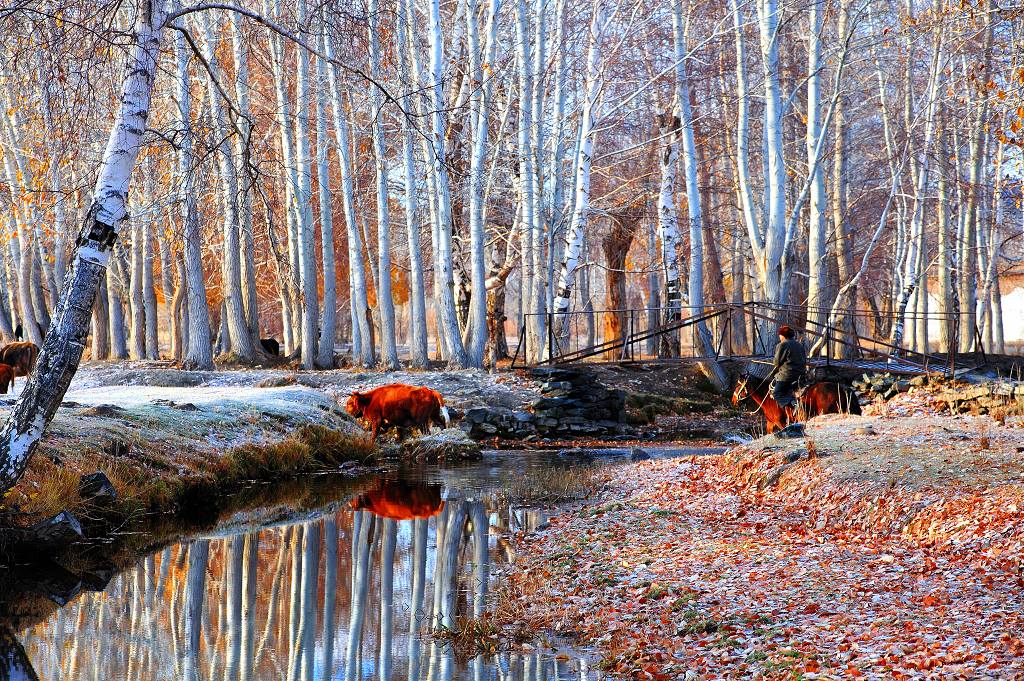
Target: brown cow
398, 406
400, 500
6, 378
21, 357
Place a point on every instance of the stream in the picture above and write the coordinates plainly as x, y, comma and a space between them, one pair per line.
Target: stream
347, 591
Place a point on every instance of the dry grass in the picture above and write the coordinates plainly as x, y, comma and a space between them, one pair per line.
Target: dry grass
166, 476
311, 448
504, 627
554, 485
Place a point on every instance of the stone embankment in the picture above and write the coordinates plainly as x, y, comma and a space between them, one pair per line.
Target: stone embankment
572, 403
972, 394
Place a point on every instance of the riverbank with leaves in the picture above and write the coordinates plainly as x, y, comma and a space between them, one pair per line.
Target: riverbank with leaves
875, 548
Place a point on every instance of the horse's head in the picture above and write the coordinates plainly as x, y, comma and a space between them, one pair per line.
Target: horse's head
741, 392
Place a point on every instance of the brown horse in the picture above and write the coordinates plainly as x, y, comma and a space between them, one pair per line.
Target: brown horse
819, 398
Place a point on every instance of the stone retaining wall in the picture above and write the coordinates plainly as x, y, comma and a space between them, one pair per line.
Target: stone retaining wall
573, 404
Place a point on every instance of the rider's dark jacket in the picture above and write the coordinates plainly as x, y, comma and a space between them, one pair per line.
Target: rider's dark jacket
790, 360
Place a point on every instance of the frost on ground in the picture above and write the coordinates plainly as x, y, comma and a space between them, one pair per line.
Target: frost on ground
890, 549
139, 434
462, 388
450, 444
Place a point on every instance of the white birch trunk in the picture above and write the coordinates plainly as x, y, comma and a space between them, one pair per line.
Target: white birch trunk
417, 297
306, 239
572, 258
911, 266
712, 369
241, 342
198, 354
328, 322
668, 226
534, 344
775, 180
385, 303
817, 281
250, 301
362, 340
136, 307
448, 322
480, 104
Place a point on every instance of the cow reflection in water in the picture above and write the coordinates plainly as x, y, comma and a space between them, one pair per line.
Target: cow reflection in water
399, 500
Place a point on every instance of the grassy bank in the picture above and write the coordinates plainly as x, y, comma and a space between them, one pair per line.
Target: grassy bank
877, 547
163, 448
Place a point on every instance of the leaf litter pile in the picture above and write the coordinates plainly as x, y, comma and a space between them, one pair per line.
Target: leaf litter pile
876, 548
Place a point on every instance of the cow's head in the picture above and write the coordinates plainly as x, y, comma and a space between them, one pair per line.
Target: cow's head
356, 402
741, 392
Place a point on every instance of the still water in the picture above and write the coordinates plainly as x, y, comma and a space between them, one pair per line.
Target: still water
347, 591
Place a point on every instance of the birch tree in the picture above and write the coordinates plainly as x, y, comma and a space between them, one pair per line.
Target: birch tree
584, 160
62, 349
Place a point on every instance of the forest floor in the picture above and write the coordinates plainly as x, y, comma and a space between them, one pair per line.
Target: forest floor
878, 547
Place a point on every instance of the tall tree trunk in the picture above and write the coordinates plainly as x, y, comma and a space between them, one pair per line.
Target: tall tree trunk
480, 105
115, 305
385, 302
711, 369
362, 336
243, 148
615, 245
241, 341
306, 242
771, 255
584, 161
668, 228
417, 297
969, 240
448, 320
149, 293
198, 355
136, 305
526, 187
328, 323
911, 272
101, 324
817, 267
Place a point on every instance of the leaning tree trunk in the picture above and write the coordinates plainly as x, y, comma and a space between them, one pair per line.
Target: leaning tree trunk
62, 348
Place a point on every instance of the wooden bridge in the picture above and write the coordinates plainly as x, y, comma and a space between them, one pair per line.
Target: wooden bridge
745, 332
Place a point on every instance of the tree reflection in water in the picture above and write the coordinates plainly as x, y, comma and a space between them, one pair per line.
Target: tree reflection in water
348, 595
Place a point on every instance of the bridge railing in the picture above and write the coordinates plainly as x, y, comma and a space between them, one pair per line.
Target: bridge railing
616, 335
739, 329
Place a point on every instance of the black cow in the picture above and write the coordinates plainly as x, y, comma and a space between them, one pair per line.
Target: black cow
271, 346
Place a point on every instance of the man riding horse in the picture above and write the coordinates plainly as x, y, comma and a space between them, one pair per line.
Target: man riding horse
788, 368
